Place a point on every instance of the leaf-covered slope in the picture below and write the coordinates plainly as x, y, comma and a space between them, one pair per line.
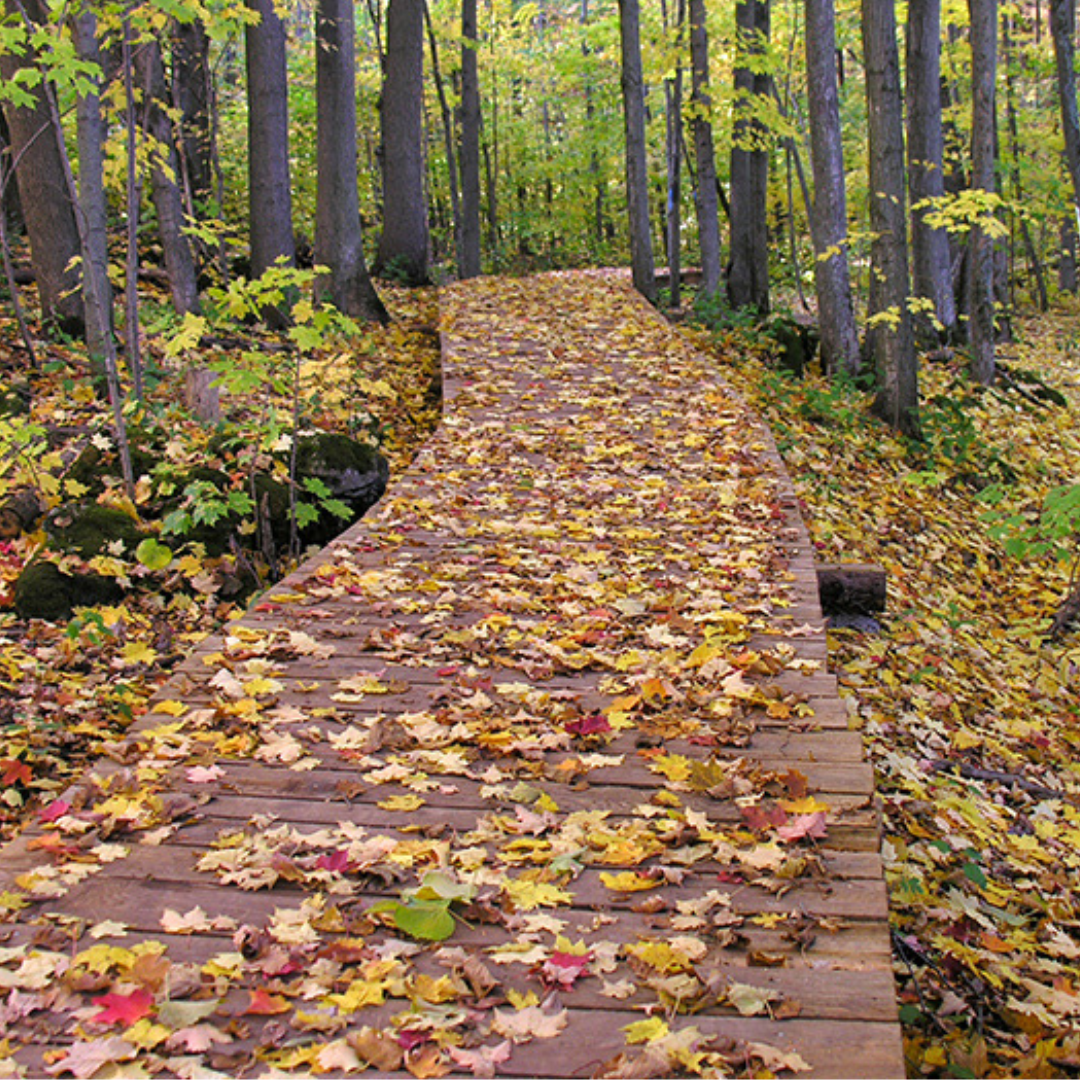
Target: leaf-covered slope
972, 718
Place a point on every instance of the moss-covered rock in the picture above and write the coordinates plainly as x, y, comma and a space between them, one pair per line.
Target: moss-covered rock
355, 474
88, 529
44, 591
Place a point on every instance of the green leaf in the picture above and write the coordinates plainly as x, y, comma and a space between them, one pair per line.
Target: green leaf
428, 920
974, 873
153, 555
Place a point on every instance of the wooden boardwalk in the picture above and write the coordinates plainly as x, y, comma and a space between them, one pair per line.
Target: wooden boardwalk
562, 693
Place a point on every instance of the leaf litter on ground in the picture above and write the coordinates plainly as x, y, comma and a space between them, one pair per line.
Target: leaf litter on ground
971, 715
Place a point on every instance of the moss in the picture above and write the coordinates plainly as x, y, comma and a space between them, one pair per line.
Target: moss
88, 529
331, 453
44, 591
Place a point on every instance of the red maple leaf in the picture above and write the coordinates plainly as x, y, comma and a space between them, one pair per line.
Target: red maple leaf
597, 724
763, 816
55, 810
124, 1009
564, 969
263, 1003
337, 862
13, 771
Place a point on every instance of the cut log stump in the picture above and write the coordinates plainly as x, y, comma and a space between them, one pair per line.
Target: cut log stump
852, 589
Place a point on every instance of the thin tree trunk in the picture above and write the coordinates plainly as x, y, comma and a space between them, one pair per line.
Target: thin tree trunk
133, 196
832, 278
984, 25
890, 337
1063, 29
448, 130
164, 169
637, 180
706, 189
930, 264
673, 94
469, 148
1034, 262
193, 98
91, 133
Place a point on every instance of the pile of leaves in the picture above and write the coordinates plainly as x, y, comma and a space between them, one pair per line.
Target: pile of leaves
970, 706
69, 690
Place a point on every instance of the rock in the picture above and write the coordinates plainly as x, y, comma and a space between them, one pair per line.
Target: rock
354, 472
88, 529
44, 591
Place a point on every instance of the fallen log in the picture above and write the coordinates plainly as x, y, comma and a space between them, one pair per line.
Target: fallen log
851, 588
20, 512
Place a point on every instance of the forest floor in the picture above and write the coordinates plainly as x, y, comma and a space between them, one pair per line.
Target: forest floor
971, 716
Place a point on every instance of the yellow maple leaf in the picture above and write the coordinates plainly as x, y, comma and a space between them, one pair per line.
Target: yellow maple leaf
807, 805
529, 895
646, 1031
674, 766
359, 995
406, 803
170, 708
138, 652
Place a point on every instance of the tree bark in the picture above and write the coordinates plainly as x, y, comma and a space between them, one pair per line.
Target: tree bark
748, 273
984, 26
404, 243
469, 144
1063, 29
339, 242
193, 97
38, 157
706, 201
270, 193
930, 264
890, 337
91, 133
637, 180
673, 95
832, 278
164, 170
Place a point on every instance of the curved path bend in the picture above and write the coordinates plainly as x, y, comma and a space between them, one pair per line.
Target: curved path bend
536, 771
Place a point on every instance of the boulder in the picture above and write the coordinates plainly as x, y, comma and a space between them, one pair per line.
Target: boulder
44, 591
88, 529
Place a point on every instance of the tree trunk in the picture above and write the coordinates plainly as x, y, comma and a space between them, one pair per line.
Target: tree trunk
637, 179
270, 193
193, 98
339, 242
705, 194
91, 133
448, 131
469, 144
984, 25
1063, 29
930, 264
832, 279
748, 273
673, 94
164, 169
890, 337
404, 243
38, 158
